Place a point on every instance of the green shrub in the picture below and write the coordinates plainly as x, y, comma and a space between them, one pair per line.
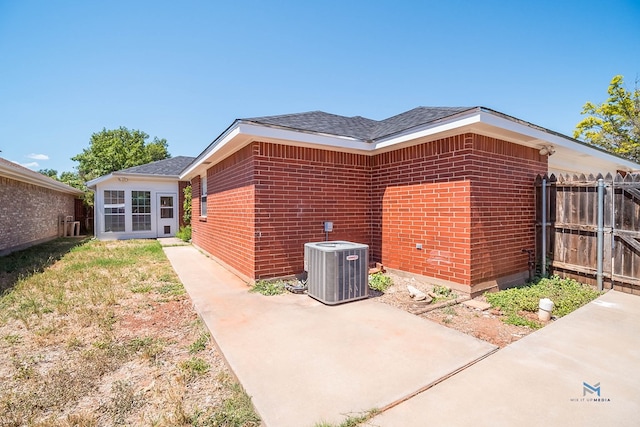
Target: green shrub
268, 287
379, 282
184, 233
186, 205
566, 294
442, 291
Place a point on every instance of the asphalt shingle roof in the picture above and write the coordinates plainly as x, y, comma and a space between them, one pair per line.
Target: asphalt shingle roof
358, 127
171, 167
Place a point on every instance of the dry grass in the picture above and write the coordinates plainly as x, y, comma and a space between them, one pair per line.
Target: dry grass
102, 333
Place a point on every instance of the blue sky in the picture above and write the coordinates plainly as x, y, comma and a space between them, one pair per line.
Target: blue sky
184, 70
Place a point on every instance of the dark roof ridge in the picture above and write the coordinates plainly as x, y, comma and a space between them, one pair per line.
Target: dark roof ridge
319, 122
358, 127
170, 166
415, 117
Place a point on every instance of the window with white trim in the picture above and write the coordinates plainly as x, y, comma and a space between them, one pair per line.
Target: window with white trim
141, 210
113, 210
203, 195
166, 207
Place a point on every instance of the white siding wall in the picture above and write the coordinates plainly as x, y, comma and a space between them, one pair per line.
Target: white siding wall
133, 184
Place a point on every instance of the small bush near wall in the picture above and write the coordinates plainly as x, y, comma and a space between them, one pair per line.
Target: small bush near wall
184, 233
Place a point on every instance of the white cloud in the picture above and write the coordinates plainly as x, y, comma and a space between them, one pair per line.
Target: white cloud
38, 156
29, 165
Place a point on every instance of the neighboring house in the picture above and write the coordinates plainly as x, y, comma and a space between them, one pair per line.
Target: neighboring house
140, 202
447, 193
31, 205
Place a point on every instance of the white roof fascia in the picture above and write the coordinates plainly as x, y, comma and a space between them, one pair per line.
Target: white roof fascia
213, 148
253, 132
478, 120
546, 137
92, 183
43, 181
313, 138
139, 176
430, 129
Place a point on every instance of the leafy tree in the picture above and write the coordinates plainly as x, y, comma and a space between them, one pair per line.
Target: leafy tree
73, 179
186, 205
51, 173
113, 150
614, 125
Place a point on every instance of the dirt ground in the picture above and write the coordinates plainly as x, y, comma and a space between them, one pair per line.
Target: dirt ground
486, 325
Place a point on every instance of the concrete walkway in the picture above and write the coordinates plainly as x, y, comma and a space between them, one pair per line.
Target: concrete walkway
303, 362
539, 380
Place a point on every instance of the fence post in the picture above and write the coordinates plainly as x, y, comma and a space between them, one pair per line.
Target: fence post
600, 233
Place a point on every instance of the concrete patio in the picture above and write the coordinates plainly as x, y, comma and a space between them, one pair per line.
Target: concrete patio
303, 362
539, 380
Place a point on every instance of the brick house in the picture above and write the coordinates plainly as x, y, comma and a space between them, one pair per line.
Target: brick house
140, 202
445, 193
31, 205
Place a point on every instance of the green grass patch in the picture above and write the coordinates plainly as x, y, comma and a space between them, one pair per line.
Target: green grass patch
379, 282
123, 401
193, 367
268, 287
67, 316
352, 420
36, 259
175, 289
236, 410
566, 294
518, 320
143, 288
200, 344
13, 339
148, 347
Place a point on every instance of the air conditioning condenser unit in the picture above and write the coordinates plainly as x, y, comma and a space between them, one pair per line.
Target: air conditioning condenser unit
337, 271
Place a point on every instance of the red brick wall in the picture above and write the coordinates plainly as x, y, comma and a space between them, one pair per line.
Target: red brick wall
227, 232
421, 195
503, 206
297, 189
468, 200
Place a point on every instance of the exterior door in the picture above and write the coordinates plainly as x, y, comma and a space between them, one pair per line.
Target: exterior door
167, 215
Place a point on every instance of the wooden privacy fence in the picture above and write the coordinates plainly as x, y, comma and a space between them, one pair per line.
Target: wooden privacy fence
589, 226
